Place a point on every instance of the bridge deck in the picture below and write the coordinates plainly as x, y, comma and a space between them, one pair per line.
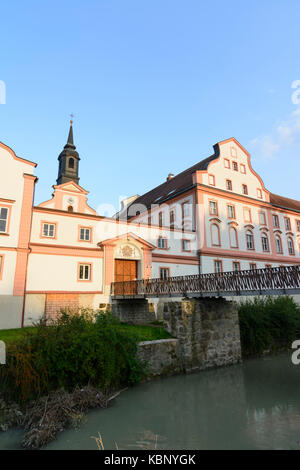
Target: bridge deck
269, 281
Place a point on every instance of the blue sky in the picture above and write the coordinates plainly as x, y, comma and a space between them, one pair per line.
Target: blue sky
153, 84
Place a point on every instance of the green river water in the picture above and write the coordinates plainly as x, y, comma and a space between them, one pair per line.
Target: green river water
255, 405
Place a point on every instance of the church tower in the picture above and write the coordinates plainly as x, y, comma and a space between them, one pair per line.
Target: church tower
68, 161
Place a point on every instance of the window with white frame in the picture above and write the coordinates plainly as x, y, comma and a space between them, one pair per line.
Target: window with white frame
259, 193
235, 166
298, 225
265, 242
250, 240
218, 266
252, 266
229, 185
160, 219
287, 223
230, 212
245, 189
85, 234
278, 244
186, 209
213, 208
164, 273
49, 230
162, 243
84, 272
3, 219
243, 169
172, 218
291, 246
186, 245
233, 237
275, 221
211, 180
236, 266
262, 218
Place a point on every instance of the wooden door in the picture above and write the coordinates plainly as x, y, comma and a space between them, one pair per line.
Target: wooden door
126, 270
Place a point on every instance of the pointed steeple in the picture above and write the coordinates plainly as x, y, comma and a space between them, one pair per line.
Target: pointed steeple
68, 161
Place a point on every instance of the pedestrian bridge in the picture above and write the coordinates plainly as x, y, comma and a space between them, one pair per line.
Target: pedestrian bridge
269, 281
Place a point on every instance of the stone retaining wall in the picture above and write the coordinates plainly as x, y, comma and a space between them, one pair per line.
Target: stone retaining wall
163, 357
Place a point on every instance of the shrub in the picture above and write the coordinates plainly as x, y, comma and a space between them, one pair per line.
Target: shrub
74, 350
271, 323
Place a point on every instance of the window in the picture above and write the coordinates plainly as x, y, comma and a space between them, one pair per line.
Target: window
1, 266
262, 218
70, 209
84, 272
85, 234
149, 220
278, 244
287, 223
211, 180
160, 219
162, 243
291, 246
245, 189
235, 166
186, 245
71, 163
236, 266
229, 185
218, 266
226, 163
243, 169
247, 214
252, 266
172, 218
298, 225
265, 242
164, 273
230, 212
185, 209
233, 237
3, 219
259, 193
275, 221
213, 208
250, 240
215, 235
49, 230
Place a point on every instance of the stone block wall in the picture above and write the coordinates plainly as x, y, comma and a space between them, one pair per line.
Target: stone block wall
163, 357
133, 311
207, 330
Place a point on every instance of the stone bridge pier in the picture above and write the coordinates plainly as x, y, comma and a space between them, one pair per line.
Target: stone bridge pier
207, 330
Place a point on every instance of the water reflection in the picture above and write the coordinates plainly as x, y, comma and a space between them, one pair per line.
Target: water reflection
251, 406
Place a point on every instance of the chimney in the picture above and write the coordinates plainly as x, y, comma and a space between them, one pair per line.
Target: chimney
170, 176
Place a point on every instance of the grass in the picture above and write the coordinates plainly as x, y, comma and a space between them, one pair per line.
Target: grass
141, 332
14, 334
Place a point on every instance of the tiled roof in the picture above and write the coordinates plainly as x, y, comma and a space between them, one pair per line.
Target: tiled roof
178, 183
284, 202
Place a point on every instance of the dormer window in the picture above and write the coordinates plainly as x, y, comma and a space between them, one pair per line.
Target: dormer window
70, 209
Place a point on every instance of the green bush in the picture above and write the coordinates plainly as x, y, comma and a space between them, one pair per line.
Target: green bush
75, 350
268, 324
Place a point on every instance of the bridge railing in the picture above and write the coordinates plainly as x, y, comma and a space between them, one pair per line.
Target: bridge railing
235, 282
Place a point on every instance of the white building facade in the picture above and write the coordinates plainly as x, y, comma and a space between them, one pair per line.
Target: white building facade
216, 216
